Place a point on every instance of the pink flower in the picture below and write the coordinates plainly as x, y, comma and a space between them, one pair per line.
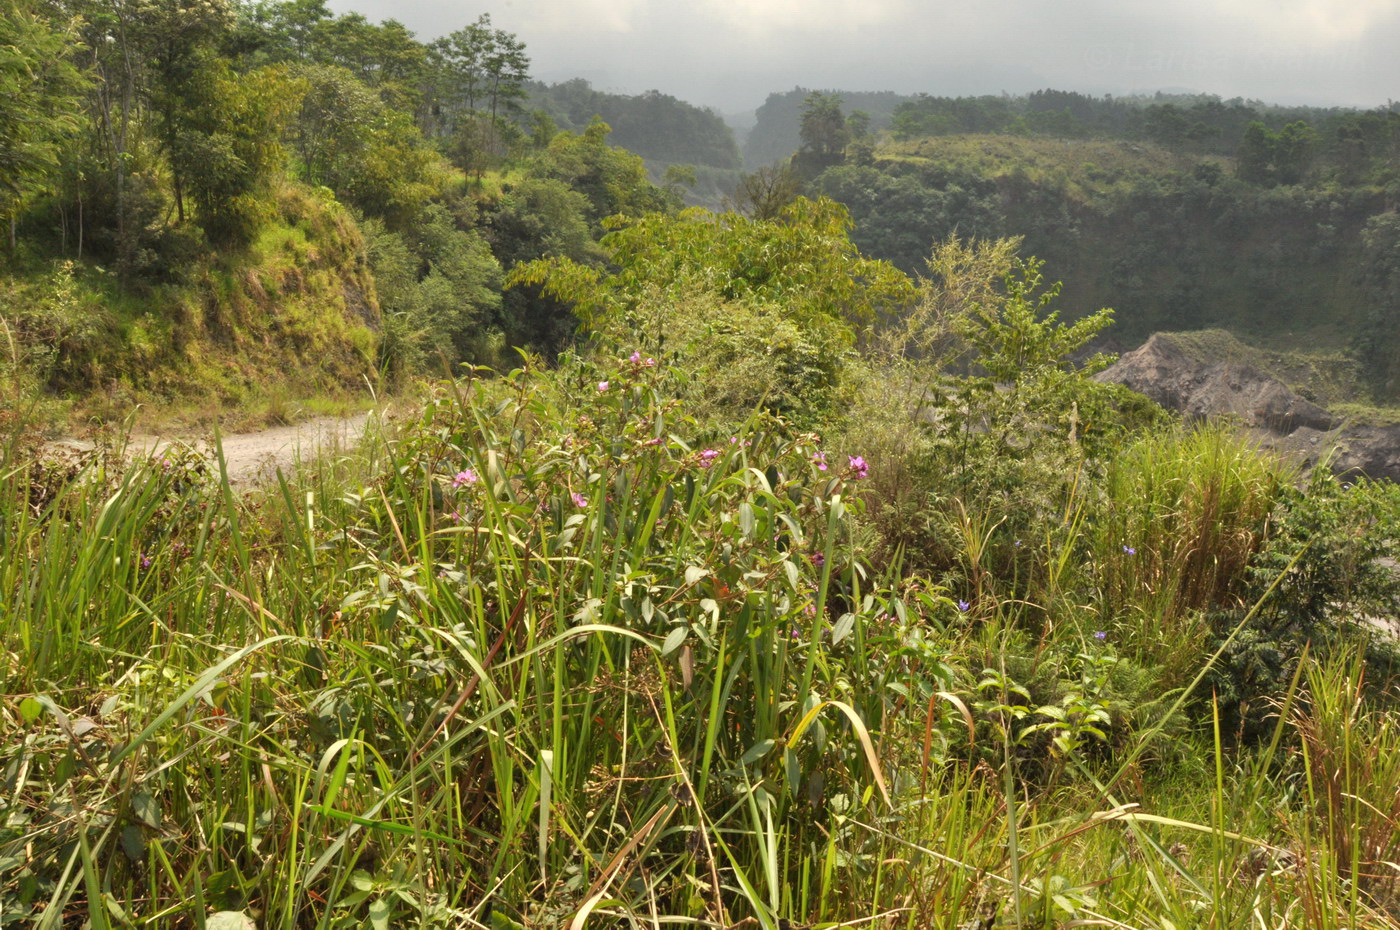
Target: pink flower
819, 459
635, 358
579, 499
859, 468
707, 458
464, 478
649, 363
602, 386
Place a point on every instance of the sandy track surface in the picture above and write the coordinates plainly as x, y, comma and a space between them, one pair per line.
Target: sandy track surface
251, 456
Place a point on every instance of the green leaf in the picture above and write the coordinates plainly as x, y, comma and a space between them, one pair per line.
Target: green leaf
379, 914
674, 639
843, 628
229, 920
30, 709
146, 809
757, 751
133, 843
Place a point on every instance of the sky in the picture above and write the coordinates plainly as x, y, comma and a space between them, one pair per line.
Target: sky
730, 54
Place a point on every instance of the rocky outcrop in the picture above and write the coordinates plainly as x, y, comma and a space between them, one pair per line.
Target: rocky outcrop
1282, 419
1165, 372
1373, 451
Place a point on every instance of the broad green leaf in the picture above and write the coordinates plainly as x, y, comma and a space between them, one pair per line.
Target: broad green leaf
674, 639
229, 920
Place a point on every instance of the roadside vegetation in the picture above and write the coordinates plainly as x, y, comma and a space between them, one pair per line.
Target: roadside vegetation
942, 634
761, 568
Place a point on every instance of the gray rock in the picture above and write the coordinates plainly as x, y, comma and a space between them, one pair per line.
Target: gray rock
1204, 389
1278, 417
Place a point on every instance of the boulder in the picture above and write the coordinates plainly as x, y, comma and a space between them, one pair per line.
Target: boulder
1199, 389
1277, 415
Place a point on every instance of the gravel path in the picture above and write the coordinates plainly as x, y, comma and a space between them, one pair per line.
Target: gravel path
251, 456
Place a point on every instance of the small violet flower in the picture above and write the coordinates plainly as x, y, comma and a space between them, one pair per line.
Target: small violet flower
579, 499
635, 358
818, 559
707, 458
1130, 550
602, 387
819, 459
1100, 635
859, 468
145, 560
649, 362
464, 478
964, 606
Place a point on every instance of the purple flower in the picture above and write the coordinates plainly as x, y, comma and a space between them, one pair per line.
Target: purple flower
1100, 635
818, 559
964, 606
145, 559
579, 499
819, 459
1130, 550
649, 362
707, 458
635, 358
859, 468
1017, 544
463, 478
733, 440
602, 387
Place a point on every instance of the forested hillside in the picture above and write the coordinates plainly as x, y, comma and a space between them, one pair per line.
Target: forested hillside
1278, 224
656, 126
777, 132
686, 147
212, 203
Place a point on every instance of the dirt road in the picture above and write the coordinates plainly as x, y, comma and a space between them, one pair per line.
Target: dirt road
250, 456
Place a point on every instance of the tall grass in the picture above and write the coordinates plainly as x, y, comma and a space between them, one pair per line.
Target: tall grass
554, 656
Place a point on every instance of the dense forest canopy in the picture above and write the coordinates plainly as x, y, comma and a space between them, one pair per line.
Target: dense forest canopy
1195, 123
223, 161
1182, 212
200, 138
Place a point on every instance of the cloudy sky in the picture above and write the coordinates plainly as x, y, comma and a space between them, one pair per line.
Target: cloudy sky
731, 53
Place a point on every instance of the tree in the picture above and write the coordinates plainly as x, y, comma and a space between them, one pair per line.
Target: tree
479, 75
802, 260
230, 148
1255, 156
764, 311
39, 97
824, 132
348, 139
764, 194
1293, 152
613, 179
